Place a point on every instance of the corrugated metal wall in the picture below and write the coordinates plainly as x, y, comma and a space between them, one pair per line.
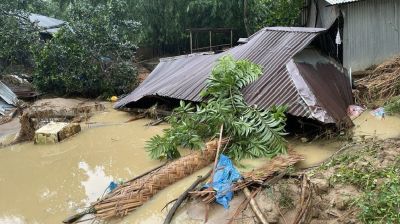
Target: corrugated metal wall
371, 32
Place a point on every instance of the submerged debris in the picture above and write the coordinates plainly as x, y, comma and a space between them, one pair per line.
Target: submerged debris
254, 178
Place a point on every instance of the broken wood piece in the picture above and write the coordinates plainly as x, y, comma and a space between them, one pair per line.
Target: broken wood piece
243, 205
254, 206
76, 217
183, 196
151, 110
217, 154
305, 200
155, 122
135, 118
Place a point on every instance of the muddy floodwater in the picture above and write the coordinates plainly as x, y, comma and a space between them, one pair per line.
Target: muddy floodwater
46, 183
367, 126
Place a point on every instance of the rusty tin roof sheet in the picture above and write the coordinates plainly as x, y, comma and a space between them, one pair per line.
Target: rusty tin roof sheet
184, 77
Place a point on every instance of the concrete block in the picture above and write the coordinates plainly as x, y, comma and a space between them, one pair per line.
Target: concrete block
55, 132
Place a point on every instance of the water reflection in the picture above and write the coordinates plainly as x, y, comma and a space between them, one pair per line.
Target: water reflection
96, 182
12, 219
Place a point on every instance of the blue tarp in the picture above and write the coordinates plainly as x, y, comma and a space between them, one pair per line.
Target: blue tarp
225, 175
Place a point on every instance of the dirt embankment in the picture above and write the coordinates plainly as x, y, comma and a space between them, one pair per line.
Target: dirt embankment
349, 188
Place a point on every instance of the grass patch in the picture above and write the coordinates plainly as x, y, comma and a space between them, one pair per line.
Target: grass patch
286, 200
380, 200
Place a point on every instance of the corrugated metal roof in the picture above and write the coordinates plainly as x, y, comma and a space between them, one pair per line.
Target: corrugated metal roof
184, 77
7, 95
5, 108
337, 2
8, 99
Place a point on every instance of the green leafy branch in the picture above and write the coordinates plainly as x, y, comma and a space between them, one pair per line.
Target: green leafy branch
253, 132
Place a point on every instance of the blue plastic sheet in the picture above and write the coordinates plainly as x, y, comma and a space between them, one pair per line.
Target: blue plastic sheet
112, 185
225, 175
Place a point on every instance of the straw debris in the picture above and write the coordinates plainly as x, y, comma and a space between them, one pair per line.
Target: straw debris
382, 83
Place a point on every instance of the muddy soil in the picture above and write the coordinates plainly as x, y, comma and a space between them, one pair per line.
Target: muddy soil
331, 201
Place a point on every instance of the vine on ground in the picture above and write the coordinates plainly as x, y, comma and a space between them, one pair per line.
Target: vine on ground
253, 132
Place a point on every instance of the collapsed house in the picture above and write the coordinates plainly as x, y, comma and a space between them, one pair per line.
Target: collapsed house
295, 74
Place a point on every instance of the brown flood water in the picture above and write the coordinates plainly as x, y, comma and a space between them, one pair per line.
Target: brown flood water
45, 184
368, 126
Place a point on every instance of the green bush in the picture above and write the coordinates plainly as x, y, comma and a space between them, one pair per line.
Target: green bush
18, 38
91, 56
393, 106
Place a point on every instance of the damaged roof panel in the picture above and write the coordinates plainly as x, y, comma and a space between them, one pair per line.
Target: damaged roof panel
328, 80
7, 95
184, 77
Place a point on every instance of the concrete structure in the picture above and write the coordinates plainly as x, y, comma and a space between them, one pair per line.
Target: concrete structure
55, 132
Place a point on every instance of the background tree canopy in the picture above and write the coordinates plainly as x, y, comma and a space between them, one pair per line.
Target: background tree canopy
93, 55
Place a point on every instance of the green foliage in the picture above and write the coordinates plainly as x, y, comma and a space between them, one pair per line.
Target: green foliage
253, 132
264, 13
92, 55
382, 205
165, 22
18, 37
393, 106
